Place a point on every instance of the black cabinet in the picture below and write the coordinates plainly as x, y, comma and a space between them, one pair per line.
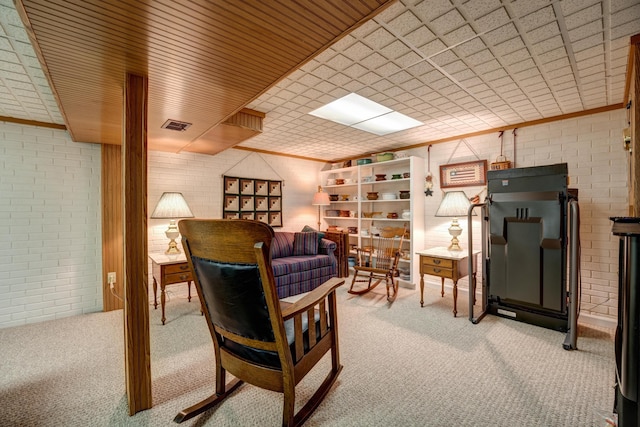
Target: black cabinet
627, 340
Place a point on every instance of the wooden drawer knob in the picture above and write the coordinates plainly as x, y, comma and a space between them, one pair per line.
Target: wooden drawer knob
436, 261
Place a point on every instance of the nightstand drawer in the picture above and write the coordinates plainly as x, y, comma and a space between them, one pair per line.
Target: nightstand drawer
177, 277
437, 271
177, 268
438, 262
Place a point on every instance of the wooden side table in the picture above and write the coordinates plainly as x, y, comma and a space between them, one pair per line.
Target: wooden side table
447, 264
342, 250
169, 270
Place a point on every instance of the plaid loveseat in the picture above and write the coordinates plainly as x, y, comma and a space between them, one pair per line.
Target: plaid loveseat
301, 261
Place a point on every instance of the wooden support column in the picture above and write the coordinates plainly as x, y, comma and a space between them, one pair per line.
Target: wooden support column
136, 306
112, 243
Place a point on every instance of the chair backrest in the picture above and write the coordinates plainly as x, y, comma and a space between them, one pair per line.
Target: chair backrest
228, 277
383, 251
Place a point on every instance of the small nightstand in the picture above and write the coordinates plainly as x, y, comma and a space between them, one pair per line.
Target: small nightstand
447, 264
169, 270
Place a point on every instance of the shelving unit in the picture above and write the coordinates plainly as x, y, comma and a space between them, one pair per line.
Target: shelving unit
359, 181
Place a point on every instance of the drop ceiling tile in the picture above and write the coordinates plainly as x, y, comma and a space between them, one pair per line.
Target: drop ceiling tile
405, 23
553, 55
516, 57
508, 46
428, 10
445, 58
629, 14
382, 85
400, 77
492, 68
587, 30
447, 22
538, 18
590, 42
547, 45
492, 20
625, 30
379, 38
408, 59
388, 69
527, 65
526, 7
466, 77
432, 48
469, 47
455, 67
459, 35
501, 34
474, 9
394, 50
323, 72
357, 51
420, 36
543, 33
479, 58
373, 61
523, 75
583, 16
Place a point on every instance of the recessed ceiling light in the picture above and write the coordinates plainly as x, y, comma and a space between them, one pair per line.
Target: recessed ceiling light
362, 113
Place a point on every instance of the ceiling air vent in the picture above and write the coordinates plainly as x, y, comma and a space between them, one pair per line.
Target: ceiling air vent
175, 125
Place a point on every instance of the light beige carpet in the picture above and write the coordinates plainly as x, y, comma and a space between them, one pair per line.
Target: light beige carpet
403, 366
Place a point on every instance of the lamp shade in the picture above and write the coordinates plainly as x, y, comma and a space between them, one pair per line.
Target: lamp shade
171, 206
321, 198
454, 204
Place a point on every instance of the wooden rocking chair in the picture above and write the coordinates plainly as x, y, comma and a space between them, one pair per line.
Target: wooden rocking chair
257, 338
378, 261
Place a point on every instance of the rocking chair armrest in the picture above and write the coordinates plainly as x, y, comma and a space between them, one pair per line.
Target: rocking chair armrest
312, 298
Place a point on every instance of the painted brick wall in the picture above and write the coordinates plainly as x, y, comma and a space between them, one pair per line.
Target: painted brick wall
598, 168
50, 251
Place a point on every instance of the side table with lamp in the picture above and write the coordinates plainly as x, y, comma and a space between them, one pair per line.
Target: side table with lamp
171, 266
450, 262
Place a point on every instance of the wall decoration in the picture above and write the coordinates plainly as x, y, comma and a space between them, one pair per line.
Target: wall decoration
463, 174
247, 198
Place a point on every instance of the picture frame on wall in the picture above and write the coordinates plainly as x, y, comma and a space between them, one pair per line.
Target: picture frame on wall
465, 174
249, 198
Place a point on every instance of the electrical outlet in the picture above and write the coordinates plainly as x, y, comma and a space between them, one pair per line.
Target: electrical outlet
111, 277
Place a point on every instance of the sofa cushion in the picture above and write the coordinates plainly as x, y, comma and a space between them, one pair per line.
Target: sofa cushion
288, 265
305, 243
282, 245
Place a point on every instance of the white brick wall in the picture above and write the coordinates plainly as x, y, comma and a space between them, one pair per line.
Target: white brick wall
598, 168
50, 256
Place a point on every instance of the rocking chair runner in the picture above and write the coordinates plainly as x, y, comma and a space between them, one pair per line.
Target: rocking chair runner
255, 338
378, 261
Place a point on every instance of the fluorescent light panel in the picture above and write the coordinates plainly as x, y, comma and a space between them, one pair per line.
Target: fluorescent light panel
362, 113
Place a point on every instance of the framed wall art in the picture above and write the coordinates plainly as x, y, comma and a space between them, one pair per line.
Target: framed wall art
248, 198
465, 174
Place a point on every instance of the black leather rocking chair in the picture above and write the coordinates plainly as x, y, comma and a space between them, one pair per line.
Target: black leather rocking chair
257, 338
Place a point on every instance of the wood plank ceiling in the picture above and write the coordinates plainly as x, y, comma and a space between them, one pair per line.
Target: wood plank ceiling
205, 60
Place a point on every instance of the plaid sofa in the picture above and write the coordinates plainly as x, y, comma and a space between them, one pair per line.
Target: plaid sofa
301, 261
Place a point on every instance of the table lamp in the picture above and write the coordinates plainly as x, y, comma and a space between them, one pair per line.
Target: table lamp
172, 206
320, 199
454, 204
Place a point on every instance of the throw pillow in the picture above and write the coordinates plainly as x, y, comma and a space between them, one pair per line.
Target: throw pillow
305, 243
308, 228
